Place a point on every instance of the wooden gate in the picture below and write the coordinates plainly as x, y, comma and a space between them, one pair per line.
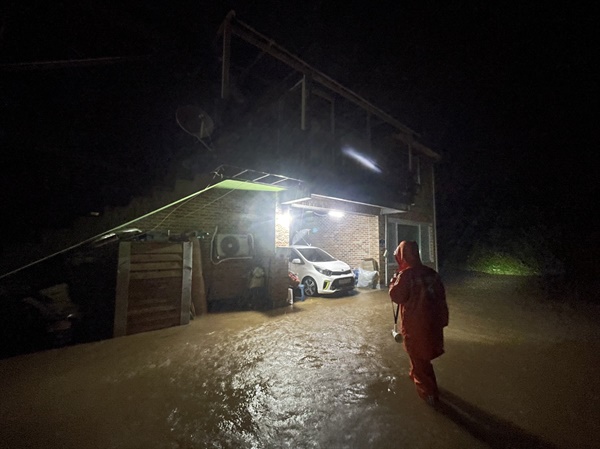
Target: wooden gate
154, 282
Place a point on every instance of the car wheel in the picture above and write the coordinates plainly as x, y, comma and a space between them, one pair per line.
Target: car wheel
310, 286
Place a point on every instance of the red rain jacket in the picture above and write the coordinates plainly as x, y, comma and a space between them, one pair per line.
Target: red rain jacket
420, 293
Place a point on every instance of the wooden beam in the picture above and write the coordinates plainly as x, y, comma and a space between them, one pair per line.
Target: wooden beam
162, 274
186, 283
122, 293
226, 28
304, 94
146, 248
253, 37
198, 287
155, 266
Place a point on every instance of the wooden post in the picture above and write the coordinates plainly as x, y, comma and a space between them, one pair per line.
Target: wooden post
226, 55
186, 283
198, 287
122, 293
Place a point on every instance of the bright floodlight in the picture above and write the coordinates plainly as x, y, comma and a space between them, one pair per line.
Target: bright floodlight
336, 213
283, 219
363, 160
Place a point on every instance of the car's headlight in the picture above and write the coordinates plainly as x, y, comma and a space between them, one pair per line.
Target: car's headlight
323, 271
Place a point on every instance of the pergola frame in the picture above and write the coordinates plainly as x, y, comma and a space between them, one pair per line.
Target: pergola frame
232, 26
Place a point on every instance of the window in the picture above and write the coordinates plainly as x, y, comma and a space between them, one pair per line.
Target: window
422, 233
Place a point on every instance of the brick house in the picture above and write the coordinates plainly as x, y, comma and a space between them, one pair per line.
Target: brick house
231, 201
354, 157
242, 202
307, 146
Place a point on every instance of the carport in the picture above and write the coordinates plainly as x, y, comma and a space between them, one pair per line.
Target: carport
229, 202
353, 231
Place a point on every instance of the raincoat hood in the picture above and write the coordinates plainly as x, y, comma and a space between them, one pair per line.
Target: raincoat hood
407, 255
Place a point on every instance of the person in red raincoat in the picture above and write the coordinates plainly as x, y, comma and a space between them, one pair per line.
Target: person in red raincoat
421, 296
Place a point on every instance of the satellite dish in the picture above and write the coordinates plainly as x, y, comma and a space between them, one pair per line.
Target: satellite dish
195, 121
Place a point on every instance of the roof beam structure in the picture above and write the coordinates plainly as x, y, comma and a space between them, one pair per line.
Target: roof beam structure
232, 26
225, 172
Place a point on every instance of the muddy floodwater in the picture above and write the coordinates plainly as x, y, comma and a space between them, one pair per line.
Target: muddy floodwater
518, 372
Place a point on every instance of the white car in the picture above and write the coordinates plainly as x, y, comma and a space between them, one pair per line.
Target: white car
319, 271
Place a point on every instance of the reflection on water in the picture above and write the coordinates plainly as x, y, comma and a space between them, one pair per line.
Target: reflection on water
318, 374
294, 379
324, 373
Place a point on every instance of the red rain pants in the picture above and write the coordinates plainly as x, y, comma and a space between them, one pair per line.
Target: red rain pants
422, 374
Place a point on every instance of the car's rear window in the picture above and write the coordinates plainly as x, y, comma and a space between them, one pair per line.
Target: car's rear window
315, 255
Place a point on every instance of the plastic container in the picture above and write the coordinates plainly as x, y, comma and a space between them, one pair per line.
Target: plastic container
356, 271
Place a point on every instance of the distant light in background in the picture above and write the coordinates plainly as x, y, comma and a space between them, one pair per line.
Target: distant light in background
336, 214
361, 159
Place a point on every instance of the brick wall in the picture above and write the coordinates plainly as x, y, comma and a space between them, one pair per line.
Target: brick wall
282, 226
232, 211
351, 238
227, 212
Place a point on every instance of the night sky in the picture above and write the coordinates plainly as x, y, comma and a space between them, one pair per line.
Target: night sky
505, 93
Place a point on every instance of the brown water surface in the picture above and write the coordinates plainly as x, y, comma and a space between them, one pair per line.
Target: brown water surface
323, 373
